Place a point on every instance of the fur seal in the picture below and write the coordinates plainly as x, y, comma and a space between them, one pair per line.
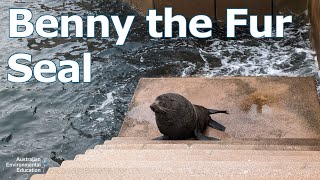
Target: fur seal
177, 118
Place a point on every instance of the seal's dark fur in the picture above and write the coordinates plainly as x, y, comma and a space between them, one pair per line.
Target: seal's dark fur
177, 118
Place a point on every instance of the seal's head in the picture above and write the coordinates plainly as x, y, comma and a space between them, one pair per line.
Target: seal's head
163, 103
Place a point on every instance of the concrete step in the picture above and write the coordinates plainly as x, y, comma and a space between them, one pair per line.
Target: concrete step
148, 141
282, 116
274, 166
119, 174
210, 146
213, 157
106, 174
120, 146
256, 147
38, 177
146, 152
143, 146
130, 138
262, 141
200, 167
111, 152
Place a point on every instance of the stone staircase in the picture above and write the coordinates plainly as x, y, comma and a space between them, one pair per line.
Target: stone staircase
279, 141
142, 158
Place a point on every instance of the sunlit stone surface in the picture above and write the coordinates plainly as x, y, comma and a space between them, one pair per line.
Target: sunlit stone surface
260, 107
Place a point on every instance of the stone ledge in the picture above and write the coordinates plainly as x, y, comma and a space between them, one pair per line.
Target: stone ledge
260, 107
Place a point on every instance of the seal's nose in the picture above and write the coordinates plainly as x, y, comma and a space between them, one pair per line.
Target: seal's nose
153, 107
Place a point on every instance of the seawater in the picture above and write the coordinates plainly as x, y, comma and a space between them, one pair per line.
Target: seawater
56, 121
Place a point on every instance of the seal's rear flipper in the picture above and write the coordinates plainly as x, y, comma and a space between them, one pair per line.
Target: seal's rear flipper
216, 125
162, 138
202, 137
213, 111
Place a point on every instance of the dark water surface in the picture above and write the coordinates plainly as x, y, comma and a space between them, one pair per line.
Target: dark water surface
71, 118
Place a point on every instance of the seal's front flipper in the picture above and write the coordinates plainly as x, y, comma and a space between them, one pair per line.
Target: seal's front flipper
213, 111
216, 125
162, 138
202, 137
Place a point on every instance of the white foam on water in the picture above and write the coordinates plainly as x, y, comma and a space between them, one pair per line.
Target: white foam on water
206, 64
100, 119
267, 58
104, 106
78, 115
187, 71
